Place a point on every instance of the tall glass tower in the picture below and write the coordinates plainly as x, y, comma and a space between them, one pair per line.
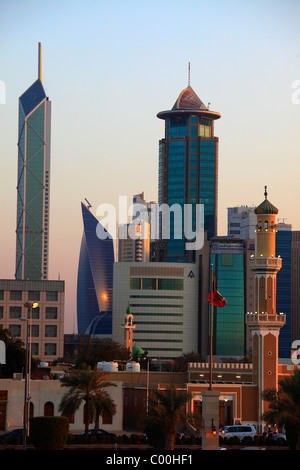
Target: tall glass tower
32, 232
95, 278
188, 167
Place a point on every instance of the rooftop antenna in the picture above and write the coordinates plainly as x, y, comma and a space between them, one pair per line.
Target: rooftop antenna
89, 205
189, 75
40, 60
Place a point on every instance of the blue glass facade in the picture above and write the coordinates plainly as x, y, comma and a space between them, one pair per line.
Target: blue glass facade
229, 326
95, 279
284, 289
33, 186
188, 157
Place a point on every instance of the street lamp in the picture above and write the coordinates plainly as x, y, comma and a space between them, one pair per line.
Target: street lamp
29, 306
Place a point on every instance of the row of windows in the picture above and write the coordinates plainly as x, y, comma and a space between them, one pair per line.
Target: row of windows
51, 313
156, 284
50, 349
51, 296
49, 411
50, 330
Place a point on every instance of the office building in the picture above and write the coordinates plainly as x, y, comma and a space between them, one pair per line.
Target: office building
163, 300
284, 285
135, 242
227, 257
95, 278
295, 274
241, 222
46, 321
33, 183
188, 171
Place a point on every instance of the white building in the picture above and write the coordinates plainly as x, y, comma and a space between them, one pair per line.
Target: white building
163, 298
241, 222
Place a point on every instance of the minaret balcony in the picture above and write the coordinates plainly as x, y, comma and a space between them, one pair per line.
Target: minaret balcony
265, 319
260, 263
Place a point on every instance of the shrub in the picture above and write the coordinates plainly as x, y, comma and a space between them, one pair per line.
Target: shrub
49, 432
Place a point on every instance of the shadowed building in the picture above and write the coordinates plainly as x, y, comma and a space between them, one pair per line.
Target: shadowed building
32, 229
95, 278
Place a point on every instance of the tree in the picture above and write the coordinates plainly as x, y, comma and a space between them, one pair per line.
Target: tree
284, 406
87, 386
166, 411
15, 355
101, 351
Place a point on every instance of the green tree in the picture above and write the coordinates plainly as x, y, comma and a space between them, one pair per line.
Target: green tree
87, 386
284, 407
101, 351
166, 411
15, 355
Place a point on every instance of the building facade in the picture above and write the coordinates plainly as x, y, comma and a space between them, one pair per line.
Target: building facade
241, 222
188, 170
163, 300
33, 184
95, 278
46, 321
295, 268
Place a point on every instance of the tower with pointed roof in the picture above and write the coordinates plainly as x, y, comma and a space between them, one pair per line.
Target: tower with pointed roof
265, 323
33, 185
188, 168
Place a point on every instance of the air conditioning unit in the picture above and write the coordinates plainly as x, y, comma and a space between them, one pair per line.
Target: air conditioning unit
17, 376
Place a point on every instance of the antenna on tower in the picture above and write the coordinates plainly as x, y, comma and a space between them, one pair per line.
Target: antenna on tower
189, 75
40, 60
88, 204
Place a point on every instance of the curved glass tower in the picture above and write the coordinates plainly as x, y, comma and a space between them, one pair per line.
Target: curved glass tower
188, 166
95, 279
32, 230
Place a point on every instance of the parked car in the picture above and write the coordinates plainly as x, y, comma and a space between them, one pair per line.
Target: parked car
97, 432
279, 437
14, 434
239, 430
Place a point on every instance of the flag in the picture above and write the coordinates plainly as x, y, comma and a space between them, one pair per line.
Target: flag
217, 299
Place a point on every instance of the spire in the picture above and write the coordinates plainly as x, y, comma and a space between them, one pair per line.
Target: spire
40, 65
189, 75
266, 194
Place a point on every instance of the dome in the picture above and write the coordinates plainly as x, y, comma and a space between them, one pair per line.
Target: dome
266, 207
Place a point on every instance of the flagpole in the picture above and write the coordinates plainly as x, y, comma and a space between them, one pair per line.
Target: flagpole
211, 328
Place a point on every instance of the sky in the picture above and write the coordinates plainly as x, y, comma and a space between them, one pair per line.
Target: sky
110, 66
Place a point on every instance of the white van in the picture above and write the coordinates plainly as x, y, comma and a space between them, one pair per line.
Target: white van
239, 430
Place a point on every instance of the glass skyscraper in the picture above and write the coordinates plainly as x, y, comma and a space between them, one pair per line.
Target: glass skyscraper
32, 228
95, 279
188, 167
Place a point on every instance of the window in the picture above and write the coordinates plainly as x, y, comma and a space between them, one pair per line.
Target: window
51, 296
34, 331
51, 313
51, 331
34, 295
48, 409
50, 349
1, 295
34, 349
106, 418
35, 313
1, 311
15, 330
15, 312
15, 295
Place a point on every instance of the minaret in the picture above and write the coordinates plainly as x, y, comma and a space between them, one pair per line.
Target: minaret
265, 323
128, 330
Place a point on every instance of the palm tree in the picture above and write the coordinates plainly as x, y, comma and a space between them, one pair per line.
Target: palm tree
87, 386
284, 406
166, 411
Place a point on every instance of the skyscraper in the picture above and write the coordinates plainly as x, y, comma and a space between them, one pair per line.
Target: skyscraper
33, 185
95, 278
188, 167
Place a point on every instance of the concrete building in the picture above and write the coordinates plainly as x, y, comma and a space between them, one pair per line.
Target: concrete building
241, 222
47, 320
163, 298
295, 270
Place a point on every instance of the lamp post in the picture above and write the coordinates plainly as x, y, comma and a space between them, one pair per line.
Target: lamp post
28, 320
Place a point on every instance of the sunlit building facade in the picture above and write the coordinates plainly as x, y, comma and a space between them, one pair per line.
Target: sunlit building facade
33, 184
188, 168
95, 278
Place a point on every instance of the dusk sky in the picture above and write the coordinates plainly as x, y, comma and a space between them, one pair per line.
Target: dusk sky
110, 67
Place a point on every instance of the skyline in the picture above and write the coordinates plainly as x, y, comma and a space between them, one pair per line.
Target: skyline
110, 69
